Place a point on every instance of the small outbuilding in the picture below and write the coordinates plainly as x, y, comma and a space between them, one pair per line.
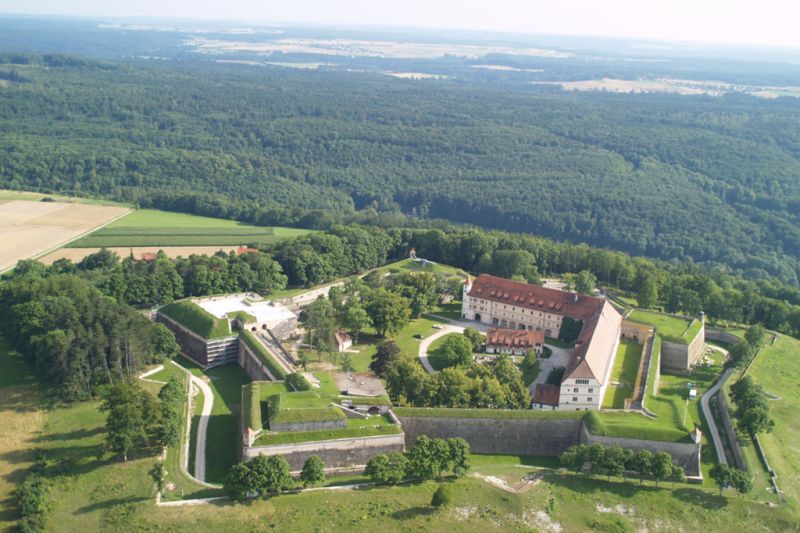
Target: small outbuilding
343, 341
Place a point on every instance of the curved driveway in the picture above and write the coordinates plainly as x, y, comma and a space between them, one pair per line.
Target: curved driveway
202, 427
704, 405
427, 341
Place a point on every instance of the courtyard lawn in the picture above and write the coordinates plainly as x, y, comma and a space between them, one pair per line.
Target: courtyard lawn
623, 375
672, 329
435, 355
406, 340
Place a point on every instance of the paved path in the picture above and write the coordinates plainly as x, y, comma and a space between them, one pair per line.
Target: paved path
427, 341
712, 425
155, 370
202, 427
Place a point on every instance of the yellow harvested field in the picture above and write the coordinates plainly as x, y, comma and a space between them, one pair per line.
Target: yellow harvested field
29, 229
76, 254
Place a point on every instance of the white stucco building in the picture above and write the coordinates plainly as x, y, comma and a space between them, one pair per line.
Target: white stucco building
511, 304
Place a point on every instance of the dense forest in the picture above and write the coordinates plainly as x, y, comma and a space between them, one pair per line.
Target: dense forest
708, 179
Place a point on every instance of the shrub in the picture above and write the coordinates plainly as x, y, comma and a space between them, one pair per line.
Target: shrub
298, 382
441, 497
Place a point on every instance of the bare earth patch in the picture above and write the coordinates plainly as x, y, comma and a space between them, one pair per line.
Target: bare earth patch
28, 229
76, 254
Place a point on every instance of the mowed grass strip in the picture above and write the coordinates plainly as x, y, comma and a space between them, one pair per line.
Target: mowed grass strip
151, 227
672, 329
623, 375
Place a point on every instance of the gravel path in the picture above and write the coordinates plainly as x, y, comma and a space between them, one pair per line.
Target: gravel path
704, 404
426, 342
202, 427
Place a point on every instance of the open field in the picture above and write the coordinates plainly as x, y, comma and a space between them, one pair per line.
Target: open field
29, 229
7, 195
776, 368
623, 375
150, 227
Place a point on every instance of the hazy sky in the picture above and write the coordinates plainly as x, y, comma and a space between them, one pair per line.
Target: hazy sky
770, 22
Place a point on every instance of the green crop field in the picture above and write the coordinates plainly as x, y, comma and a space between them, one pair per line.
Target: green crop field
626, 367
149, 227
672, 329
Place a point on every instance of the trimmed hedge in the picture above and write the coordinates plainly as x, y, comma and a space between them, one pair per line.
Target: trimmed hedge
272, 365
196, 319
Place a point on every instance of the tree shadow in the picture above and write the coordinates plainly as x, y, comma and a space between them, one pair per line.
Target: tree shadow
78, 434
702, 498
108, 504
413, 512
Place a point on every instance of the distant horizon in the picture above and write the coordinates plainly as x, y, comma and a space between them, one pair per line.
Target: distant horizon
734, 23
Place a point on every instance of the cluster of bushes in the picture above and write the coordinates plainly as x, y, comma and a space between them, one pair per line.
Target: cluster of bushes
136, 418
297, 382
618, 461
752, 406
426, 459
32, 502
725, 476
263, 476
495, 385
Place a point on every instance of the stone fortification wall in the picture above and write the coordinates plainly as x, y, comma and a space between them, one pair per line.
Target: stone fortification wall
635, 331
339, 453
684, 454
318, 425
285, 329
499, 436
253, 365
192, 345
722, 336
681, 357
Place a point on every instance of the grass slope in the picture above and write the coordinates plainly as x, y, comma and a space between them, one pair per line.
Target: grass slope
626, 367
777, 368
195, 318
672, 329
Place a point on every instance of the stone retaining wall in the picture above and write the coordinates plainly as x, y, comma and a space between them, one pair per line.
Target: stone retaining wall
253, 365
499, 436
338, 453
722, 336
684, 454
727, 426
318, 425
681, 357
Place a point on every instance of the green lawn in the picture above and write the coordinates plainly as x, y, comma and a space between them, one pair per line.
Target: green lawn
372, 426
435, 355
626, 368
150, 227
777, 368
406, 338
407, 265
672, 329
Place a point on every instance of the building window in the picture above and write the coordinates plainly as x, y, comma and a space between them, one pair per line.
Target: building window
575, 389
591, 390
589, 399
582, 381
574, 398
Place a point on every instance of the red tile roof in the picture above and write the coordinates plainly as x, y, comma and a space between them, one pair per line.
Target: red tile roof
546, 394
577, 306
514, 338
245, 250
601, 322
149, 256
